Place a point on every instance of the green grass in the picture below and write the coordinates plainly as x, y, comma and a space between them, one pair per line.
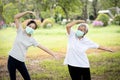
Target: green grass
104, 65
55, 69
108, 36
56, 39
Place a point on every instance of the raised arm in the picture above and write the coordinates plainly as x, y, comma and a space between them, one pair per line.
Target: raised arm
69, 25
47, 50
105, 49
19, 15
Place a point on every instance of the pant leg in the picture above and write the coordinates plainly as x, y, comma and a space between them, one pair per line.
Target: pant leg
75, 73
23, 70
86, 74
11, 68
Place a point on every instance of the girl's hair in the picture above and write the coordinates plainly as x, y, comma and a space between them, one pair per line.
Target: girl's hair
32, 21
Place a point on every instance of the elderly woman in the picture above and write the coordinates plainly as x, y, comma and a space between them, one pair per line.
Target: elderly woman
22, 42
76, 58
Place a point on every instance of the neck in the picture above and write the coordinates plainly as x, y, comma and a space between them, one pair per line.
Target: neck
28, 34
80, 37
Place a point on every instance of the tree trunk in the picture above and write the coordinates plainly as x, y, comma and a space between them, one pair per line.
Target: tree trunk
66, 13
94, 4
84, 10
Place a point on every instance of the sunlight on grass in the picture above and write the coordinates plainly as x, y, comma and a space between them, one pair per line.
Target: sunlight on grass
104, 65
55, 38
56, 69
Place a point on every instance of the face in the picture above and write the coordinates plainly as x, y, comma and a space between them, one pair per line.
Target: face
32, 25
82, 28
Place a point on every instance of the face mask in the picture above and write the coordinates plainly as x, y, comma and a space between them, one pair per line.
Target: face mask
79, 33
29, 30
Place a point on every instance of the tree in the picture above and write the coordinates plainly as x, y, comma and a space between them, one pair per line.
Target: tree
1, 10
69, 6
105, 4
9, 11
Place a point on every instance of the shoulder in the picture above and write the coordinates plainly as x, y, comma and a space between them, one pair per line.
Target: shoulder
34, 42
71, 32
32, 39
19, 29
86, 40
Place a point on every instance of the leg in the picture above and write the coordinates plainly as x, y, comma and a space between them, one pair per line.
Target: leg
86, 74
75, 73
11, 68
23, 70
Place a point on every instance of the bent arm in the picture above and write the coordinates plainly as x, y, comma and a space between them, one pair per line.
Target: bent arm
19, 15
69, 25
46, 50
105, 49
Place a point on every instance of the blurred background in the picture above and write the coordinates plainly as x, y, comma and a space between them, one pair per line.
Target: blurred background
102, 16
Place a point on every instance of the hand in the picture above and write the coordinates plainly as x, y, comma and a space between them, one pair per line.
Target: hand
56, 56
31, 12
111, 51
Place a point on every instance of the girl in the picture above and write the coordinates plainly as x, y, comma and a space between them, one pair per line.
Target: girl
76, 58
22, 42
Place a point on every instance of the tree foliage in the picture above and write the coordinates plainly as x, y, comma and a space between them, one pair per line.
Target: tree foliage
50, 8
9, 11
1, 10
109, 3
69, 6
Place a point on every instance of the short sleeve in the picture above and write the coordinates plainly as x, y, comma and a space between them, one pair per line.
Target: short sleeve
72, 33
34, 42
91, 44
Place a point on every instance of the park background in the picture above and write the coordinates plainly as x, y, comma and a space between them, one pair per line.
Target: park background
102, 16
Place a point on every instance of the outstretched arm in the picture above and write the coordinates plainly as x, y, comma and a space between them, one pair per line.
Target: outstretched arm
69, 25
19, 15
105, 49
47, 50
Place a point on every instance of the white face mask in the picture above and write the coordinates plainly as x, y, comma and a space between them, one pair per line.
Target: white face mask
79, 33
29, 30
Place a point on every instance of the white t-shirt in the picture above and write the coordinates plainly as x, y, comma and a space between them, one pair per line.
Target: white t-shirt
21, 44
76, 49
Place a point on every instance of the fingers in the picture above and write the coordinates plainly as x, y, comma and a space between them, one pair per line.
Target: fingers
111, 51
56, 57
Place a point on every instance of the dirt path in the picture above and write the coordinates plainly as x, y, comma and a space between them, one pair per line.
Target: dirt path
33, 62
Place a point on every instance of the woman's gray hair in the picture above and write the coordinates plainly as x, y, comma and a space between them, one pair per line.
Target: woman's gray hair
85, 25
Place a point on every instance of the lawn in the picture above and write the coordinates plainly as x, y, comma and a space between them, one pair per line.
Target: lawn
41, 66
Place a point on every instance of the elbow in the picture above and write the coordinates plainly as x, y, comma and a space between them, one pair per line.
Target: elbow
16, 17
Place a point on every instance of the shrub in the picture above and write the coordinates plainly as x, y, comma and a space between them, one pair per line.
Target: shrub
97, 23
47, 23
64, 21
116, 20
104, 18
